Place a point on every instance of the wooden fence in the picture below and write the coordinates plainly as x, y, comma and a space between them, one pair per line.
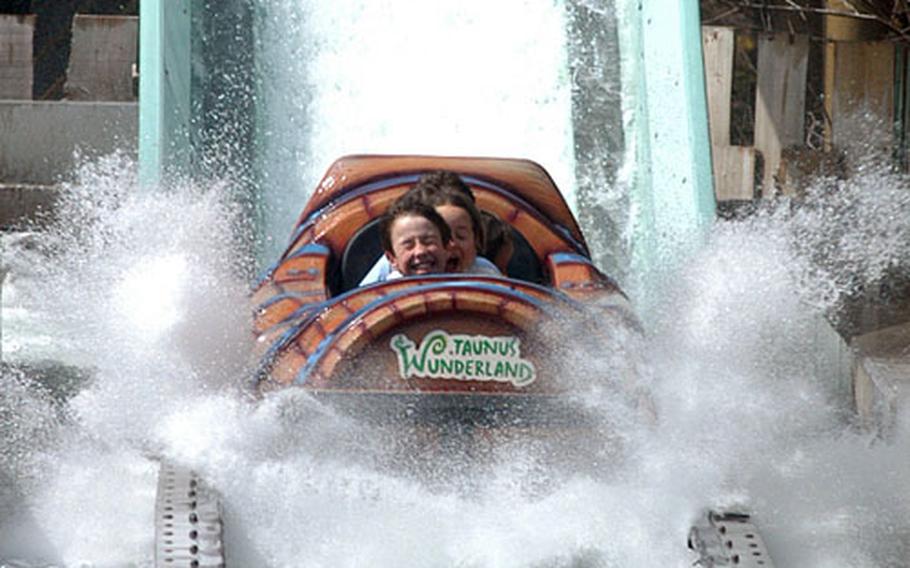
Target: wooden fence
859, 80
103, 58
101, 63
16, 56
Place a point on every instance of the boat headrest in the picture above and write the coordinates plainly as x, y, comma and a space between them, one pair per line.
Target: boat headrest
360, 254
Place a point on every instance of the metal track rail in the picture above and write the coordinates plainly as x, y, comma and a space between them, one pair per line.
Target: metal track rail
728, 539
188, 526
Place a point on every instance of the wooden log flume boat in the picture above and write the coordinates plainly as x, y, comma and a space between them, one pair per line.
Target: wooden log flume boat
451, 353
447, 334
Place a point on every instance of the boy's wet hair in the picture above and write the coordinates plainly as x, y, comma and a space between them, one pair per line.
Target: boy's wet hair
409, 205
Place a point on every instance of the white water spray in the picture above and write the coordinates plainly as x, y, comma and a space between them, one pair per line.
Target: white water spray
355, 77
146, 292
142, 298
744, 419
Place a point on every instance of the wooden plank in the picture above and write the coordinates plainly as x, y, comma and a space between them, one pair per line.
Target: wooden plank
16, 54
801, 166
847, 28
103, 53
901, 107
830, 58
734, 173
861, 92
780, 97
717, 47
733, 166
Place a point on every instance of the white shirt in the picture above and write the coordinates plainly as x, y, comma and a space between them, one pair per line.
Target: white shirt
382, 270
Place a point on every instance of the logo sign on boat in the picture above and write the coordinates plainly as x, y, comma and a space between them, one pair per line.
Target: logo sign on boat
463, 358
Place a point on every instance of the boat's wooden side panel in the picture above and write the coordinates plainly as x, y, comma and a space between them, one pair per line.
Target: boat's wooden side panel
298, 281
524, 178
358, 319
575, 276
379, 370
336, 227
416, 334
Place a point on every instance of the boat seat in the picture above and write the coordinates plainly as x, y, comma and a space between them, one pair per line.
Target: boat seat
364, 249
360, 254
524, 264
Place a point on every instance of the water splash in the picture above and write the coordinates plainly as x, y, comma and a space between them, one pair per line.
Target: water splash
743, 417
145, 294
742, 387
350, 78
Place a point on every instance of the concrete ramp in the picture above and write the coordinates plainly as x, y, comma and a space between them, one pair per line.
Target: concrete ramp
42, 144
881, 376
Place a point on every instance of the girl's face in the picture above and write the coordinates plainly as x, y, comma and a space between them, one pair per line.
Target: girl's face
464, 251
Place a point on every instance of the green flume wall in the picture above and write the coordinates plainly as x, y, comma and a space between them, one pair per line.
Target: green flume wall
165, 53
188, 46
673, 187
